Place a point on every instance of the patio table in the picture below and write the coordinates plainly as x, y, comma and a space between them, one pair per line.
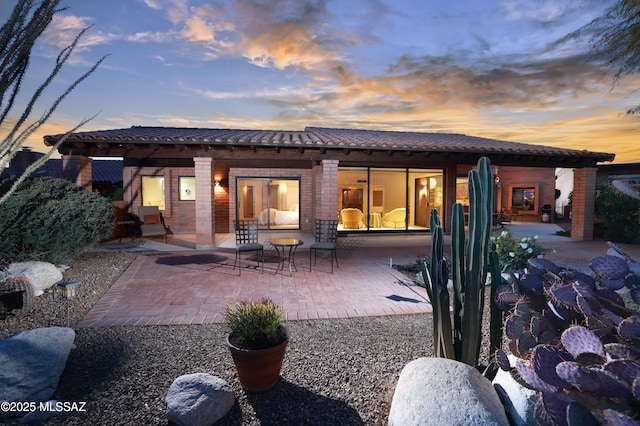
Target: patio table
286, 248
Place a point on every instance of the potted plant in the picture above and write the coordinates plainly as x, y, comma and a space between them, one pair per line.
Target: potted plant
257, 342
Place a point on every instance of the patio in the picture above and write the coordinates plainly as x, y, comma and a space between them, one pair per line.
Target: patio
175, 284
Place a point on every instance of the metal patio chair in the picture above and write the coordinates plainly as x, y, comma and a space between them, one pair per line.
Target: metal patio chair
247, 240
326, 239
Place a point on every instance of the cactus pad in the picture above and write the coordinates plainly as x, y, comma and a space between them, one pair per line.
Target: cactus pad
502, 360
609, 267
531, 283
615, 418
505, 297
629, 328
582, 278
531, 378
583, 379
613, 284
540, 265
578, 340
626, 370
544, 359
551, 408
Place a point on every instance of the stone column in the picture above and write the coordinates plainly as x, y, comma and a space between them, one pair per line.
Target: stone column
78, 169
205, 203
583, 203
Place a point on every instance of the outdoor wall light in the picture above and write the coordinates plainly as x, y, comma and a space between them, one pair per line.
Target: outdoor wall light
217, 183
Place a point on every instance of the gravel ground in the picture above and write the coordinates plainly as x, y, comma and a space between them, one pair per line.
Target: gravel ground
335, 371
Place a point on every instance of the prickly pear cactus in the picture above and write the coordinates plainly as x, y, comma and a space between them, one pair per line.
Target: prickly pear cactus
16, 296
577, 343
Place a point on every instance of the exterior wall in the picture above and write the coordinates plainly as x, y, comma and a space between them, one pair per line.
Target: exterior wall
78, 169
543, 180
179, 215
306, 190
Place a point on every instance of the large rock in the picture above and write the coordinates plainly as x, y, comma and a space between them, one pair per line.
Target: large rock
42, 275
31, 363
518, 401
198, 399
440, 391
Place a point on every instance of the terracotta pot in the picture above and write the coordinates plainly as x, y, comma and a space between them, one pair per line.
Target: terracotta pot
258, 370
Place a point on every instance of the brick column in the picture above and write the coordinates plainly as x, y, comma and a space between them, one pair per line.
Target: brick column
328, 206
450, 174
583, 203
205, 203
78, 169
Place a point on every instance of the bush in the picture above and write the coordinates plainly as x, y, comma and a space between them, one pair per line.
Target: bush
513, 254
619, 215
51, 220
255, 323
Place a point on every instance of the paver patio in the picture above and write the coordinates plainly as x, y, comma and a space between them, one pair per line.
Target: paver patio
171, 284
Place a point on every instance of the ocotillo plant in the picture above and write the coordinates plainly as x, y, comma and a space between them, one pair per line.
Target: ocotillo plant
470, 266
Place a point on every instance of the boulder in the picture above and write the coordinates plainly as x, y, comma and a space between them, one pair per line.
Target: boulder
440, 391
42, 414
519, 401
198, 399
31, 363
42, 275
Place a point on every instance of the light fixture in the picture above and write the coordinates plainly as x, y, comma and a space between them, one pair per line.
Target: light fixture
217, 183
68, 288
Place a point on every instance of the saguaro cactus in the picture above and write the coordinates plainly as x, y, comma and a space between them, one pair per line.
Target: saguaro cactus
470, 266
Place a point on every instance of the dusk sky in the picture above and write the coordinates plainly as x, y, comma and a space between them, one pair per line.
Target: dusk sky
492, 68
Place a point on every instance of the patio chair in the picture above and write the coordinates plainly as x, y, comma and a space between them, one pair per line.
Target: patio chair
151, 222
247, 240
326, 239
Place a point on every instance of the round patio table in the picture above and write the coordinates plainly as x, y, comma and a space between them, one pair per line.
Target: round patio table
286, 248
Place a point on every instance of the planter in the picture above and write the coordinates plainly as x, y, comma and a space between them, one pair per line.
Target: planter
259, 370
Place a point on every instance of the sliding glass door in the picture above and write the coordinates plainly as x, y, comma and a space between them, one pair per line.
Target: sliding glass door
273, 202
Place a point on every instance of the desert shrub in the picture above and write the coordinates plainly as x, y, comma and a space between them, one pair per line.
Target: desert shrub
513, 254
51, 220
619, 214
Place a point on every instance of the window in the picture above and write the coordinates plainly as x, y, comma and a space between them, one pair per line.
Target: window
187, 188
524, 198
153, 191
382, 199
274, 203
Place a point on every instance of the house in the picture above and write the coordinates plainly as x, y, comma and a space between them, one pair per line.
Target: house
106, 175
372, 181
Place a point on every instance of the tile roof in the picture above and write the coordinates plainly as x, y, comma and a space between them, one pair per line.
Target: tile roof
101, 170
329, 138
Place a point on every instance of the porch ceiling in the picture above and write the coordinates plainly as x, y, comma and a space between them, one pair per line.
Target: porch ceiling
349, 146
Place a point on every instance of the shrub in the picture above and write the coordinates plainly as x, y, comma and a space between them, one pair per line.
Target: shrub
513, 254
255, 323
51, 220
619, 214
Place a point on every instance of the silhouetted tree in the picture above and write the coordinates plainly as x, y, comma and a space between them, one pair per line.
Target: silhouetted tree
18, 34
615, 39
